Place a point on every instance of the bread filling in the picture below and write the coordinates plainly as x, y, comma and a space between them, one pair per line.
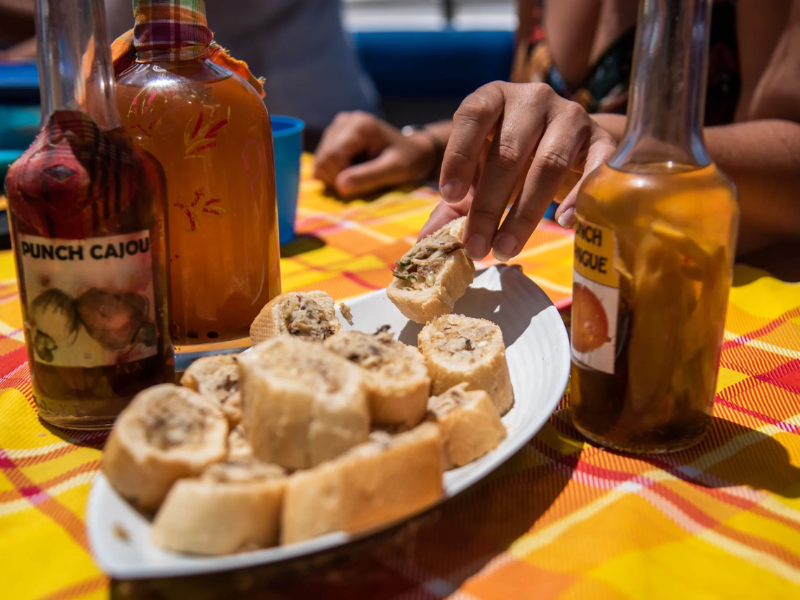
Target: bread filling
244, 470
222, 384
419, 268
473, 340
368, 351
305, 319
167, 424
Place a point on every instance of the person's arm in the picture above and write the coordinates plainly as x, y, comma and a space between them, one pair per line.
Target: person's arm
762, 153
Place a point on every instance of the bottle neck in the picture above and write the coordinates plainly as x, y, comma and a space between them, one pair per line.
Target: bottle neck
75, 71
170, 30
668, 87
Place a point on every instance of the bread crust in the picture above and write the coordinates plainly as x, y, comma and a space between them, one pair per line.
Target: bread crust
272, 320
301, 403
451, 281
142, 466
395, 375
463, 349
375, 483
469, 422
211, 517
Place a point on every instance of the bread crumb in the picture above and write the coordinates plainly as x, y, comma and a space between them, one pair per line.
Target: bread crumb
346, 313
121, 533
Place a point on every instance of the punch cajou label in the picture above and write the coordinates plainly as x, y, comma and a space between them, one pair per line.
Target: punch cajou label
90, 302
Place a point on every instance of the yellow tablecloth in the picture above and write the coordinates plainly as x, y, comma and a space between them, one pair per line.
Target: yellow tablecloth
562, 519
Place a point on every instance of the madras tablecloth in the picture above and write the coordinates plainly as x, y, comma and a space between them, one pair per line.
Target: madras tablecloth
562, 519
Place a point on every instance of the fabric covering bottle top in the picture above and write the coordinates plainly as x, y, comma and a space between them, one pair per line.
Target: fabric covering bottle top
170, 31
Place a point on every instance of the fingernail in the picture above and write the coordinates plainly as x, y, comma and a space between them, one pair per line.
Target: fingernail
504, 247
451, 190
567, 218
477, 247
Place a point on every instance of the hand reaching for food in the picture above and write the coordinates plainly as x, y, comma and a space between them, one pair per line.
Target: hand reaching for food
514, 144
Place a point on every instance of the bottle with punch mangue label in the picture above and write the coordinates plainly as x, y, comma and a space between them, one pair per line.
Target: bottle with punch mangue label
655, 238
87, 216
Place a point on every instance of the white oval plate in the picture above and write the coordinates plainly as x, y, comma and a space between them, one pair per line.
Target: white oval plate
539, 361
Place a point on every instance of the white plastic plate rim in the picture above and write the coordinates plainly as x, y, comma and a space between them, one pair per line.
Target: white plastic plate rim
539, 362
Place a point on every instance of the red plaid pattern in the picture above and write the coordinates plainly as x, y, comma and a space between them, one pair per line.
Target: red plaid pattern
171, 30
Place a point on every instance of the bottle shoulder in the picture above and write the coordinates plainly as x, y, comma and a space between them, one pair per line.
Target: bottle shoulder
189, 81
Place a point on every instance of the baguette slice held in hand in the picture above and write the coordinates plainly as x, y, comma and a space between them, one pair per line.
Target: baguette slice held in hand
310, 316
233, 506
302, 404
166, 433
395, 375
385, 479
430, 277
463, 349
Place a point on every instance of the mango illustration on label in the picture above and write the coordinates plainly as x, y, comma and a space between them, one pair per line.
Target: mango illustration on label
595, 298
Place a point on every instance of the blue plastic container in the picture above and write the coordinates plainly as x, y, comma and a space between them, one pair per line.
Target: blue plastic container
287, 139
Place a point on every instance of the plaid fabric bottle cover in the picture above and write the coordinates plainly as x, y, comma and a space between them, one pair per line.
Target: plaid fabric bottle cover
171, 30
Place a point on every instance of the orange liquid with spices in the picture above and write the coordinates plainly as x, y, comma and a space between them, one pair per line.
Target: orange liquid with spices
212, 134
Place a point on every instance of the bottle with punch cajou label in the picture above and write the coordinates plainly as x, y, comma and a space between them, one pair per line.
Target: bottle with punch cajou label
88, 223
655, 237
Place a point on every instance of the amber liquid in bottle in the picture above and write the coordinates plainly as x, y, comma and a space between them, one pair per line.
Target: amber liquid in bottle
92, 397
92, 280
655, 240
211, 133
674, 227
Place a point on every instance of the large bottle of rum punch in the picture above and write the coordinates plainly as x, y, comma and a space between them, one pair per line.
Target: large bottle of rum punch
654, 246
87, 214
199, 112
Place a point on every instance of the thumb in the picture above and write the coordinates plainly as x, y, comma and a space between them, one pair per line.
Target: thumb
386, 169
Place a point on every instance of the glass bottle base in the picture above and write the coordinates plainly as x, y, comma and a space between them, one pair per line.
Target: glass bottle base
79, 423
635, 447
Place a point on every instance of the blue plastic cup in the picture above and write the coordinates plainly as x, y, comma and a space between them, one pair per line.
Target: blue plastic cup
287, 140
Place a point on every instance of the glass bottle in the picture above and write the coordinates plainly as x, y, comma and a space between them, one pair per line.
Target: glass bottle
655, 239
211, 132
87, 216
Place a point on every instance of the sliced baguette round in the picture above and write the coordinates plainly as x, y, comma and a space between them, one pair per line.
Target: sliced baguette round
301, 403
384, 479
395, 375
462, 349
166, 433
441, 275
233, 506
217, 378
307, 315
469, 422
